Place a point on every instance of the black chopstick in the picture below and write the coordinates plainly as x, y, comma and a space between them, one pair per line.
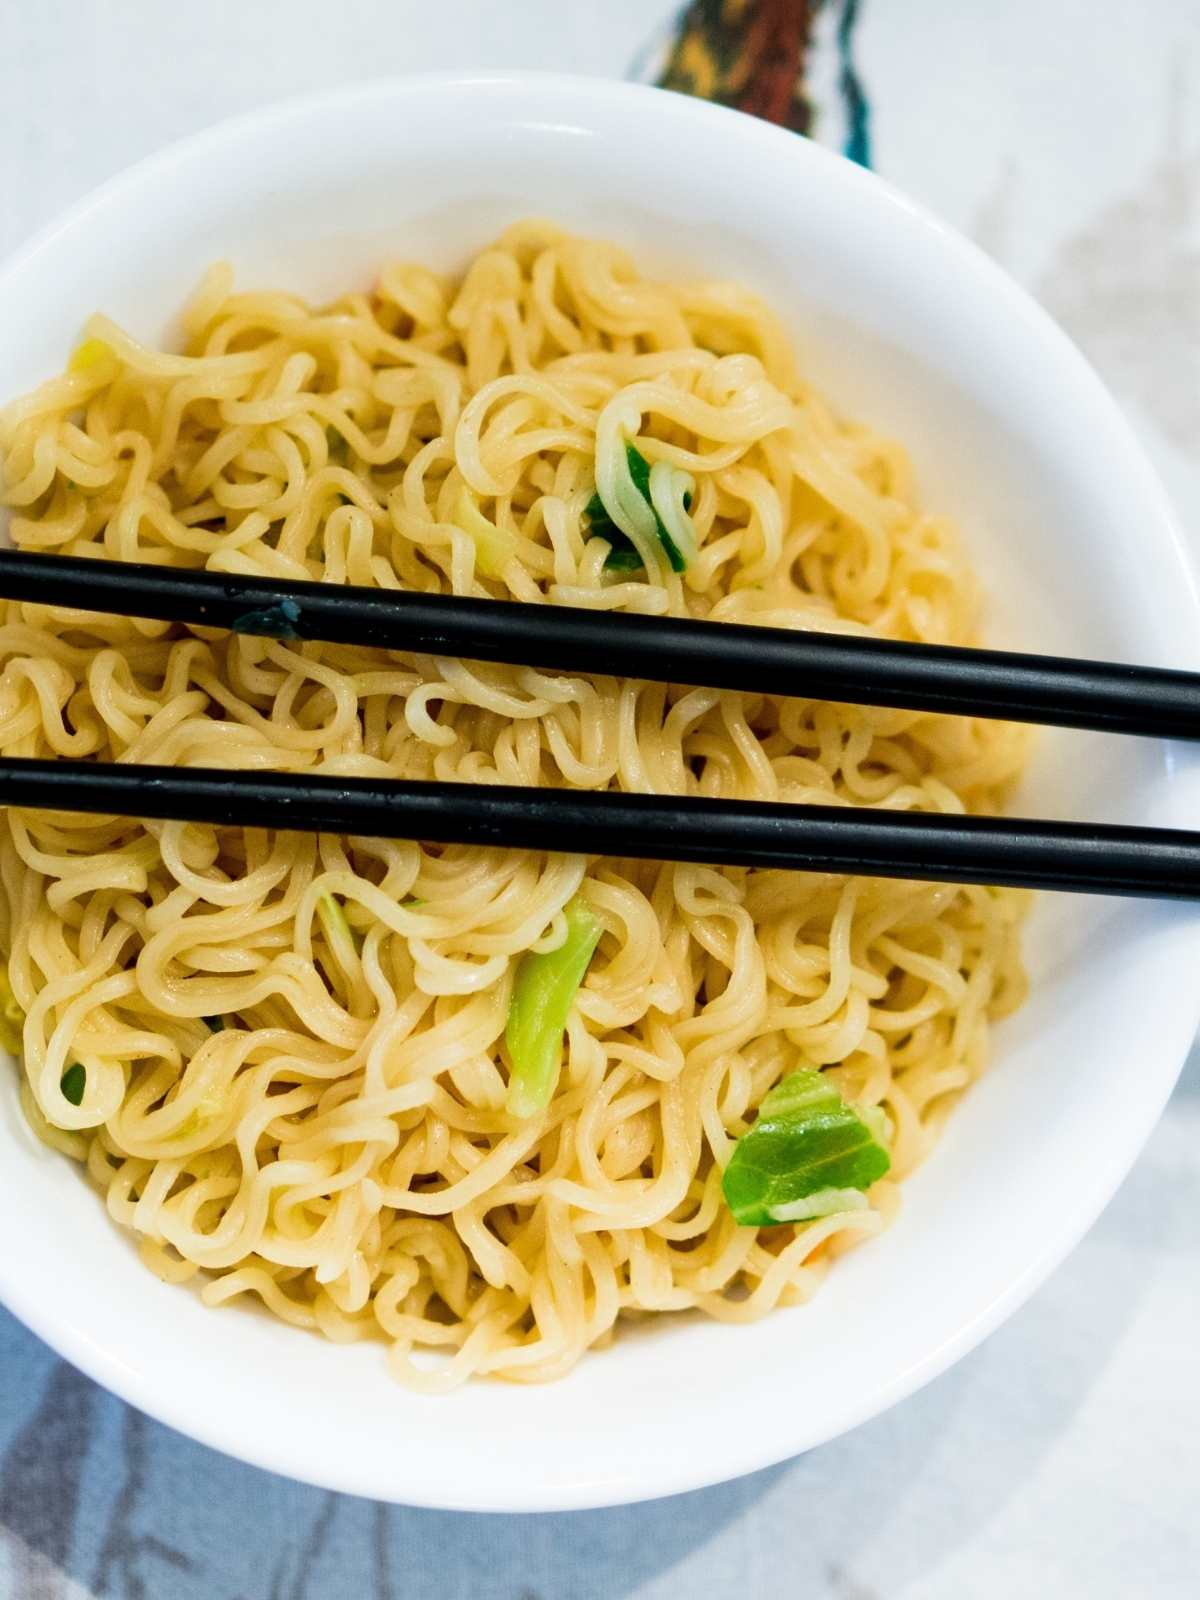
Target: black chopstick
1158, 863
1108, 696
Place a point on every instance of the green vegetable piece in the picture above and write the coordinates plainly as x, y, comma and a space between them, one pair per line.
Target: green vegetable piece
824, 1203
623, 561
214, 1024
808, 1151
91, 353
335, 923
623, 556
12, 1018
72, 1083
543, 992
495, 547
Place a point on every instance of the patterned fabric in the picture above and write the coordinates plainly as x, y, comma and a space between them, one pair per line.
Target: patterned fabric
754, 55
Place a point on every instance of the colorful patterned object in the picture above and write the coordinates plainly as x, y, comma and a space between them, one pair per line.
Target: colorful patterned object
758, 55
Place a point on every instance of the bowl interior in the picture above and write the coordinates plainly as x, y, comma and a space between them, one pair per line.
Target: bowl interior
904, 326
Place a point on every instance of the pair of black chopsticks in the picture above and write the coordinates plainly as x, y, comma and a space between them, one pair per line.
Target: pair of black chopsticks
1155, 862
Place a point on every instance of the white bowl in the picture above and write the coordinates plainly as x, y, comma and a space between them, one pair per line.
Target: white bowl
903, 324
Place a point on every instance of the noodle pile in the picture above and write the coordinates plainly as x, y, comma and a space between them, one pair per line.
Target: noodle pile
333, 1139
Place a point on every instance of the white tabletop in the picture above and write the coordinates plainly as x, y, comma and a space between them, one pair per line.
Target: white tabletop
1061, 1459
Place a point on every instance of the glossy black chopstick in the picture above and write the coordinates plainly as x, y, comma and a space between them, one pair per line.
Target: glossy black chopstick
1152, 862
985, 683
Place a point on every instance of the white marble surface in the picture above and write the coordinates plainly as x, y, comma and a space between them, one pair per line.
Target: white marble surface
1061, 1459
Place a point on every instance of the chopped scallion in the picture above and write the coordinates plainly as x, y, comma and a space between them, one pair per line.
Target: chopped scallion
623, 555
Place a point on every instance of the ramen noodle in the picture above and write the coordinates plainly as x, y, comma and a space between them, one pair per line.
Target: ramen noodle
480, 1103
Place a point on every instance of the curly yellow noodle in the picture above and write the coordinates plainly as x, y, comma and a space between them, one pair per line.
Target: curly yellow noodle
333, 1141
